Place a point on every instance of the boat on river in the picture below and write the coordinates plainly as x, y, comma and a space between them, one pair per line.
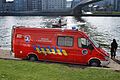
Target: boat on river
58, 23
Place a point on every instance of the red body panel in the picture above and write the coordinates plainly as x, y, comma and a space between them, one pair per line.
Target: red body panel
43, 43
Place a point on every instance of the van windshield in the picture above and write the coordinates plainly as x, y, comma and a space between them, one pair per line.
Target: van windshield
96, 44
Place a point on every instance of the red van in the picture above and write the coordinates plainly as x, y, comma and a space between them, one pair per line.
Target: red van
58, 45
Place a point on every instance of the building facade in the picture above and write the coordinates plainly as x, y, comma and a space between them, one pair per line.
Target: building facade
44, 5
8, 6
28, 5
75, 2
36, 5
109, 5
20, 5
117, 5
2, 2
54, 5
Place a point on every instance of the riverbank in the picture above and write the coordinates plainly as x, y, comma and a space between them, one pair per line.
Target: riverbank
101, 15
106, 13
58, 14
37, 14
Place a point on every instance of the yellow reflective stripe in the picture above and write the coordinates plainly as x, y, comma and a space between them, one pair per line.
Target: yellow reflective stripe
53, 51
38, 50
58, 51
43, 51
64, 52
48, 51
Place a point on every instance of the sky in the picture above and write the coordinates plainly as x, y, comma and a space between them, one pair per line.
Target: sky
69, 0
12, 0
9, 0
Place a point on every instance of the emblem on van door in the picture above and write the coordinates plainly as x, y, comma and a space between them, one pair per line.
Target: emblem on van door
84, 51
27, 38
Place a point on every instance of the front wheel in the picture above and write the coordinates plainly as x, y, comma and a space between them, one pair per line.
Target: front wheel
94, 63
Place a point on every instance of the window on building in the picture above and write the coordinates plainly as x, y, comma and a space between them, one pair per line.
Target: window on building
65, 41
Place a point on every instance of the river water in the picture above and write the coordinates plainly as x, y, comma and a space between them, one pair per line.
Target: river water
102, 29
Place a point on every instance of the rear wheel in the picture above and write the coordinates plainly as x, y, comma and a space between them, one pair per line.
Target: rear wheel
32, 57
94, 63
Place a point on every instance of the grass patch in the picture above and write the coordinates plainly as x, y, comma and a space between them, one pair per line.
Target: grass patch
24, 70
109, 12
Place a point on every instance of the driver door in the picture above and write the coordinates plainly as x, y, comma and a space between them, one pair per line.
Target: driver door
83, 51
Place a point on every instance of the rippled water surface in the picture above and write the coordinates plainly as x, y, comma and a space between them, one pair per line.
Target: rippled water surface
103, 29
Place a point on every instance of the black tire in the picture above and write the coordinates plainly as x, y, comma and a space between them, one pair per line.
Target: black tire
94, 63
32, 58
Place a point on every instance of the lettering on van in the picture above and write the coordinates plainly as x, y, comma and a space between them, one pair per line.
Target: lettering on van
44, 40
49, 50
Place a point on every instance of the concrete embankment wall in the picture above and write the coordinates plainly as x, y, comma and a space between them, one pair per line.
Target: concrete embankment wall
57, 14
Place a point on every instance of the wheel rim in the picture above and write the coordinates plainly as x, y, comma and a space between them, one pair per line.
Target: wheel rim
32, 58
94, 64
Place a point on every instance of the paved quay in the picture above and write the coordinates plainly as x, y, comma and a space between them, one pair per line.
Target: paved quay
6, 54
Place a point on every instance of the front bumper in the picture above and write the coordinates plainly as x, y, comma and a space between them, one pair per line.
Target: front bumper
105, 63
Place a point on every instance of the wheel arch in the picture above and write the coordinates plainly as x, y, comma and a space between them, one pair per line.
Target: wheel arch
94, 58
31, 53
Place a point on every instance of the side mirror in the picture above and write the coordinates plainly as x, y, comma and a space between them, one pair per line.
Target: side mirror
90, 47
99, 46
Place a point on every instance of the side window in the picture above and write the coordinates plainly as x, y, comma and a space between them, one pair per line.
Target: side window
65, 41
83, 43
61, 41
